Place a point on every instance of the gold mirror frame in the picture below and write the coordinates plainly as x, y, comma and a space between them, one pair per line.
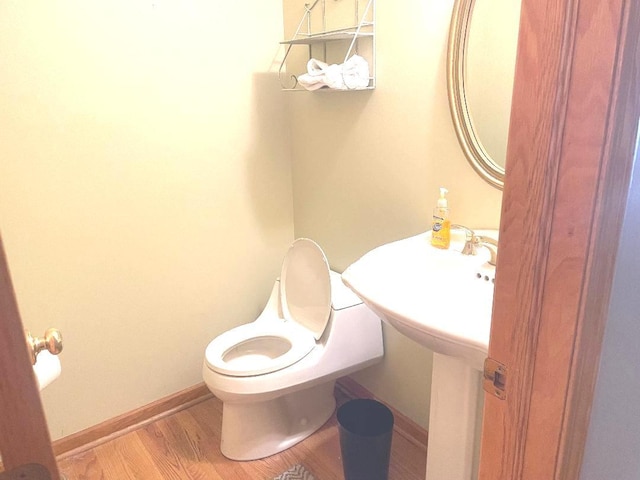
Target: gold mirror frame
473, 149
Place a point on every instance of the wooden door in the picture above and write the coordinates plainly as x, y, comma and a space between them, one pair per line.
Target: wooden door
571, 147
24, 436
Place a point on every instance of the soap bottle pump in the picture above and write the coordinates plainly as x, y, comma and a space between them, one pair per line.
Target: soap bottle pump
441, 226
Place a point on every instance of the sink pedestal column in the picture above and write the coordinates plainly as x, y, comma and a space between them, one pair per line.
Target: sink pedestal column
455, 392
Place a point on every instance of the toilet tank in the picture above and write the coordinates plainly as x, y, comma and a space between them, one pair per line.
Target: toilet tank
341, 296
355, 331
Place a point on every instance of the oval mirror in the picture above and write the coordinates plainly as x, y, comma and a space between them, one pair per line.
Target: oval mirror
483, 40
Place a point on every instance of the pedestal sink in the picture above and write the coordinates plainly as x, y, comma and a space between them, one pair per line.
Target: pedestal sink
442, 299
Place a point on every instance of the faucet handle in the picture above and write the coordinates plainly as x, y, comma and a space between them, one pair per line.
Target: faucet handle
470, 239
470, 246
474, 241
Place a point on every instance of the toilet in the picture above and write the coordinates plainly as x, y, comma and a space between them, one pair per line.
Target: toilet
275, 376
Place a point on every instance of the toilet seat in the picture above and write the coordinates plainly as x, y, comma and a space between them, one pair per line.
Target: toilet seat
305, 286
269, 345
253, 349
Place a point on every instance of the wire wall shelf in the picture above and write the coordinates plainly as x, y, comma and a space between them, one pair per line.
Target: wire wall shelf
338, 44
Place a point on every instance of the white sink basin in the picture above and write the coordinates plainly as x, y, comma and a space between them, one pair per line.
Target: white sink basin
442, 299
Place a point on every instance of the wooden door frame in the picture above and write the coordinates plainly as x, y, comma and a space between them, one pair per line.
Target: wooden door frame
25, 436
571, 148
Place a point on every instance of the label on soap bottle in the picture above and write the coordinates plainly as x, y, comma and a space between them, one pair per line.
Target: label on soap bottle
440, 232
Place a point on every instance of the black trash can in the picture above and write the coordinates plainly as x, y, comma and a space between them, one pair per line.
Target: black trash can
366, 428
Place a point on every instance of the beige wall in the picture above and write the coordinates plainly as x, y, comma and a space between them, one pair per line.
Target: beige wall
145, 186
146, 171
367, 167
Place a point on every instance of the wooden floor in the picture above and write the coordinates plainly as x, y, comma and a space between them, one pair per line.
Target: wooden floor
185, 445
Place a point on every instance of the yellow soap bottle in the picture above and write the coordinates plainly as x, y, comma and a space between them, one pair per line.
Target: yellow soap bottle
441, 226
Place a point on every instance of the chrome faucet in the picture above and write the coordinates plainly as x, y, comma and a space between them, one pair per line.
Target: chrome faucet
473, 241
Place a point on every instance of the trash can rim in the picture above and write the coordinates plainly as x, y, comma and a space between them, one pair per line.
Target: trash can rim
353, 413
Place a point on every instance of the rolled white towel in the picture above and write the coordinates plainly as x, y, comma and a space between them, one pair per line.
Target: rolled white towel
351, 75
315, 76
315, 67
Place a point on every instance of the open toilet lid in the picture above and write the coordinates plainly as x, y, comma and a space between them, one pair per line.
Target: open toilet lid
305, 286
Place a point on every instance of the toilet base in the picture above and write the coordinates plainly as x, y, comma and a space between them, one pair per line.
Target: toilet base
256, 430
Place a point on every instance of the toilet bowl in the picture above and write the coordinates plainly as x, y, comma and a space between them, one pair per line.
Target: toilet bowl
275, 376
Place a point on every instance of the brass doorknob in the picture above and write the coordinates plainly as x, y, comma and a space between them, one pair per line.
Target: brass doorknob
52, 342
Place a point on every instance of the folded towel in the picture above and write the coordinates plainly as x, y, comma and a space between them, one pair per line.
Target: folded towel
315, 76
316, 67
351, 75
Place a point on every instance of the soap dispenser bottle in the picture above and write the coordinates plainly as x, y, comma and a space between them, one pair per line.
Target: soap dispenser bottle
441, 226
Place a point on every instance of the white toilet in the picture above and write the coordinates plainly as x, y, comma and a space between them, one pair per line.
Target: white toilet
275, 376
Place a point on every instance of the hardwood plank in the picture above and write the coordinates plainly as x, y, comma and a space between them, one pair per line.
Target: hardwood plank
185, 445
180, 446
84, 466
111, 465
164, 451
137, 461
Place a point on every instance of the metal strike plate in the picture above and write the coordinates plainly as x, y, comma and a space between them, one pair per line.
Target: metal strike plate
495, 378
